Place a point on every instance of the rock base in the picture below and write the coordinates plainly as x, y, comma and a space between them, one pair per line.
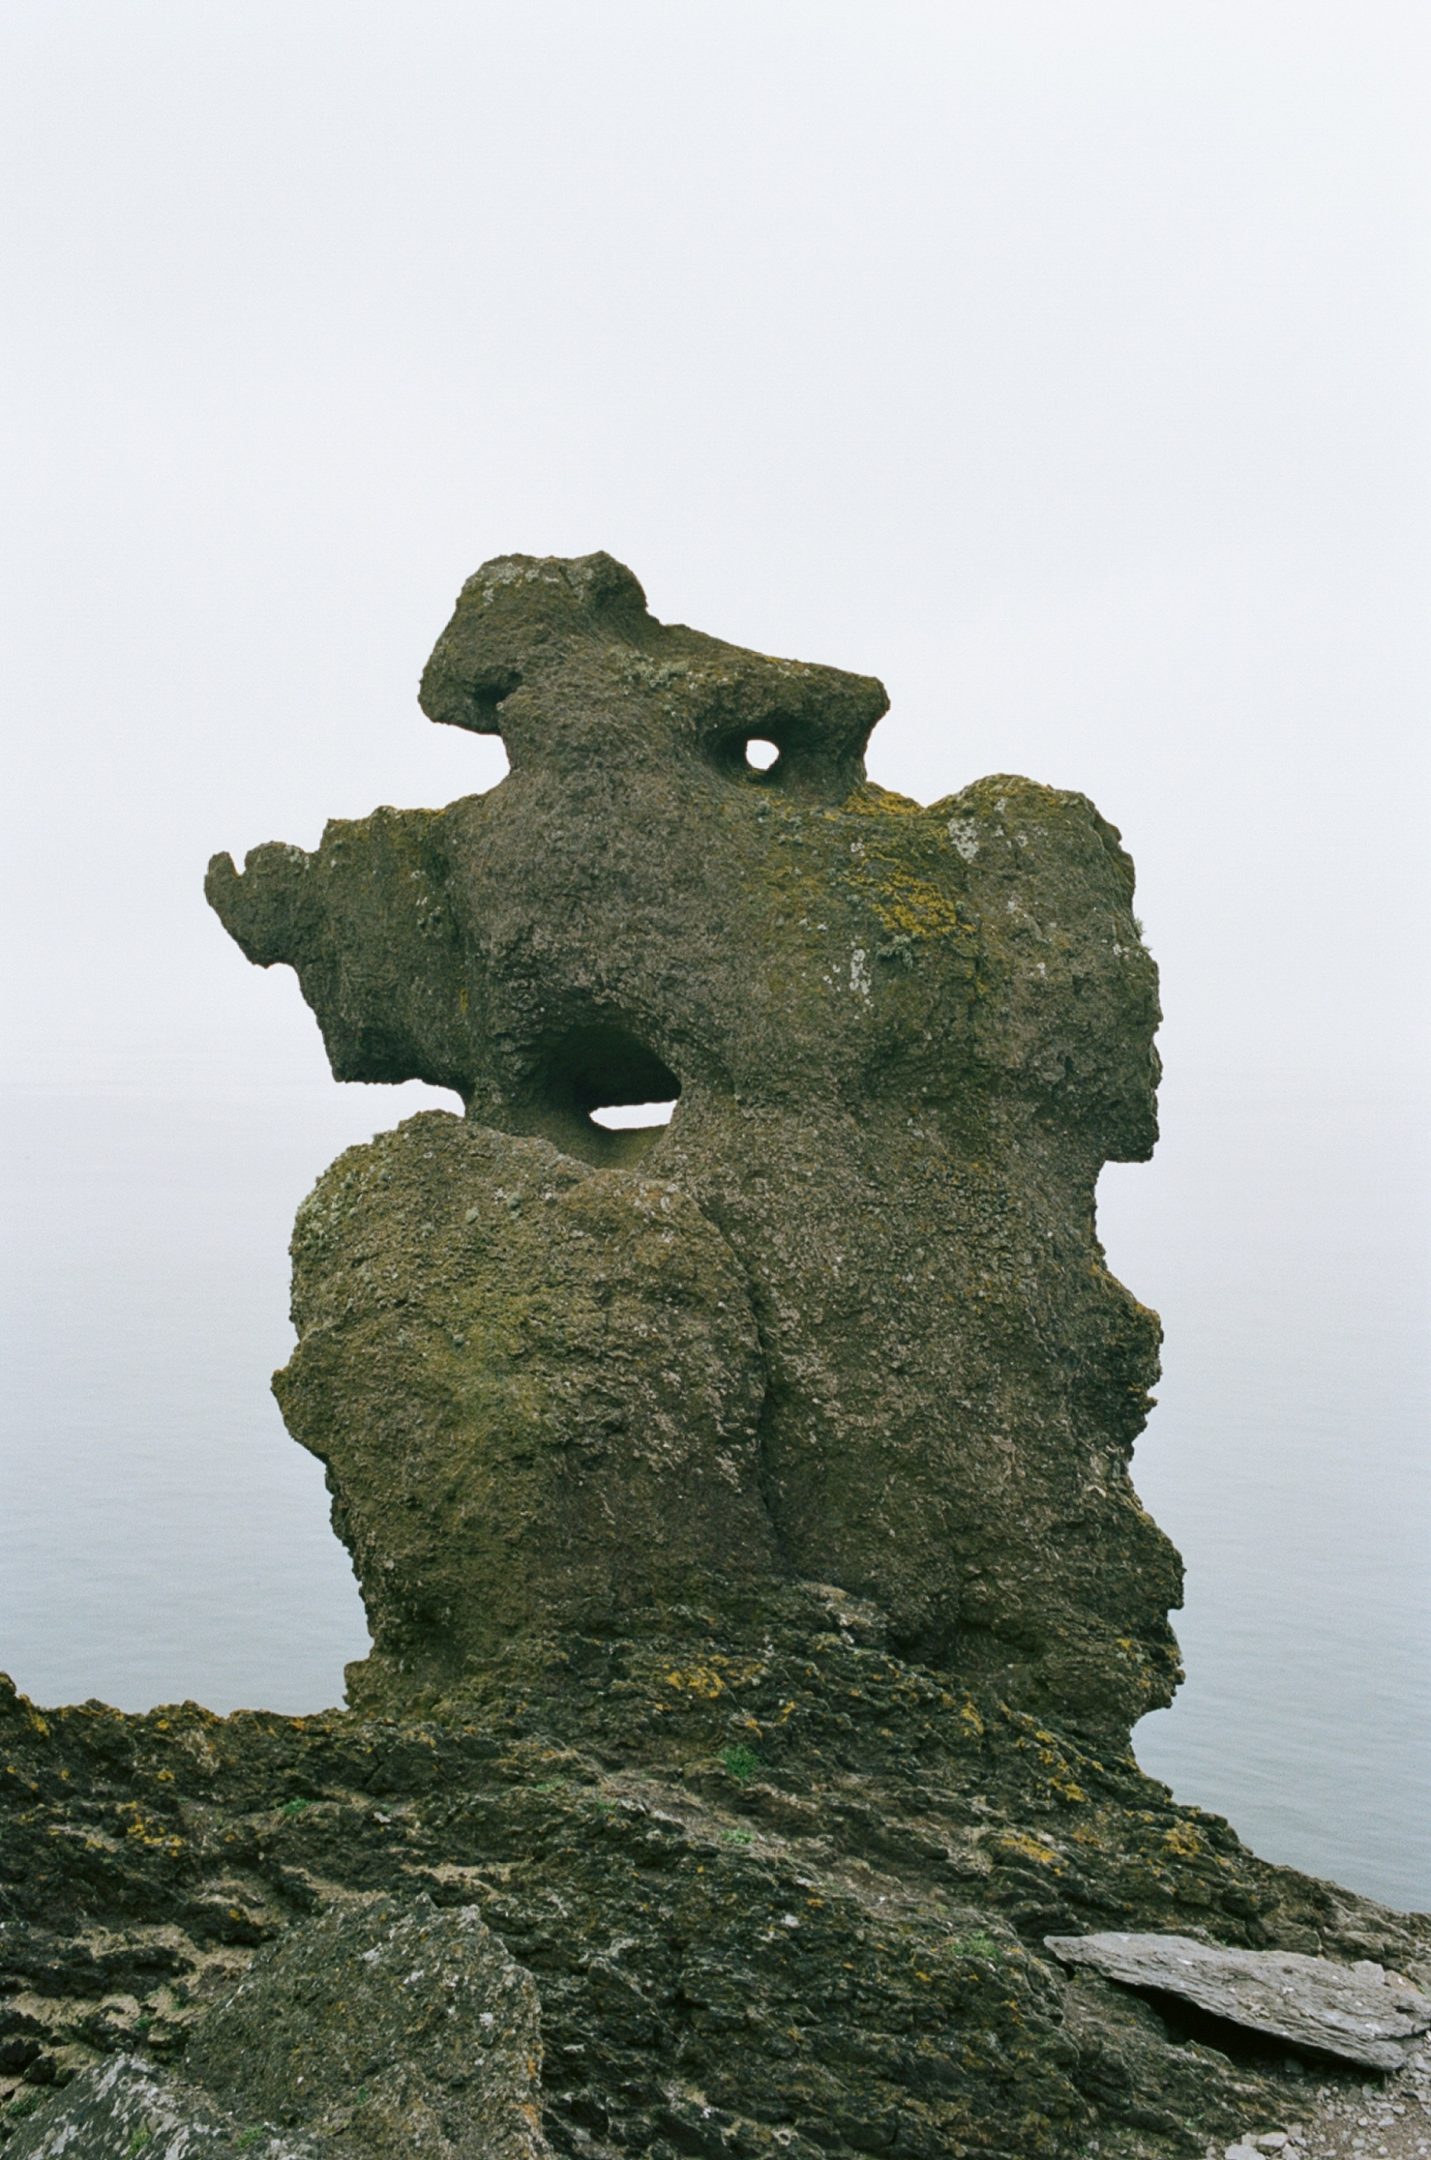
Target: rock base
789, 1901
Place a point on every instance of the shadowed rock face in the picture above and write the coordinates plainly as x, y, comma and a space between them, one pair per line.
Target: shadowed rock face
845, 1319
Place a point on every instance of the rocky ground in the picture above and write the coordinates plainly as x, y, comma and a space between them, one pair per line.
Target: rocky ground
1387, 2119
786, 1899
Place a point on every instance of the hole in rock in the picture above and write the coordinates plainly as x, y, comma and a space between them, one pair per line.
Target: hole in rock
613, 1079
760, 755
617, 1117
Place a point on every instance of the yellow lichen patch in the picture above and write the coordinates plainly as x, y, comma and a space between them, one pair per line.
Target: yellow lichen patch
914, 907
151, 1834
738, 1671
905, 904
1020, 1845
1185, 1841
869, 799
697, 1680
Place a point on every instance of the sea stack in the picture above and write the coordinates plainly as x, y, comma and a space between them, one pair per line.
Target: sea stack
844, 1319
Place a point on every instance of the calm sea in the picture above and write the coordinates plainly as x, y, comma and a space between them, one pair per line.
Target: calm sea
164, 1539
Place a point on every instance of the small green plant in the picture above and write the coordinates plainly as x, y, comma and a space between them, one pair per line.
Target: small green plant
551, 1784
294, 1807
736, 1837
976, 1945
741, 1762
138, 2142
254, 2135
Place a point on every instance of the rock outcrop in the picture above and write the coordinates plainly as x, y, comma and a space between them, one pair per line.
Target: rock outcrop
383, 2029
844, 1319
778, 1905
126, 2107
388, 2029
759, 1599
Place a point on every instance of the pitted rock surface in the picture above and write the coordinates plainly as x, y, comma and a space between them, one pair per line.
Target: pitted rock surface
387, 2030
778, 1906
126, 2107
552, 1364
845, 1319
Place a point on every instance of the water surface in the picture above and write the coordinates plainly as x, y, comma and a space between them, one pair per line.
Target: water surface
165, 1539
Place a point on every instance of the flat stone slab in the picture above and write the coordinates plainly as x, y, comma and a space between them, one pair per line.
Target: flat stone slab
1359, 2012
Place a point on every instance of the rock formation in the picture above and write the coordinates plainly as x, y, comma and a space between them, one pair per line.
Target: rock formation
844, 1319
759, 1600
384, 2029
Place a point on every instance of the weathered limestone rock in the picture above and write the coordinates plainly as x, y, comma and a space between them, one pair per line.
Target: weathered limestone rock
846, 1317
389, 2030
784, 1905
1359, 2012
537, 1387
382, 2030
125, 2107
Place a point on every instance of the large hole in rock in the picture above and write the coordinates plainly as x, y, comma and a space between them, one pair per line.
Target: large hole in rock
760, 754
612, 1079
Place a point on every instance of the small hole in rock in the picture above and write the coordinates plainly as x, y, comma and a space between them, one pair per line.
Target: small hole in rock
760, 755
618, 1117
